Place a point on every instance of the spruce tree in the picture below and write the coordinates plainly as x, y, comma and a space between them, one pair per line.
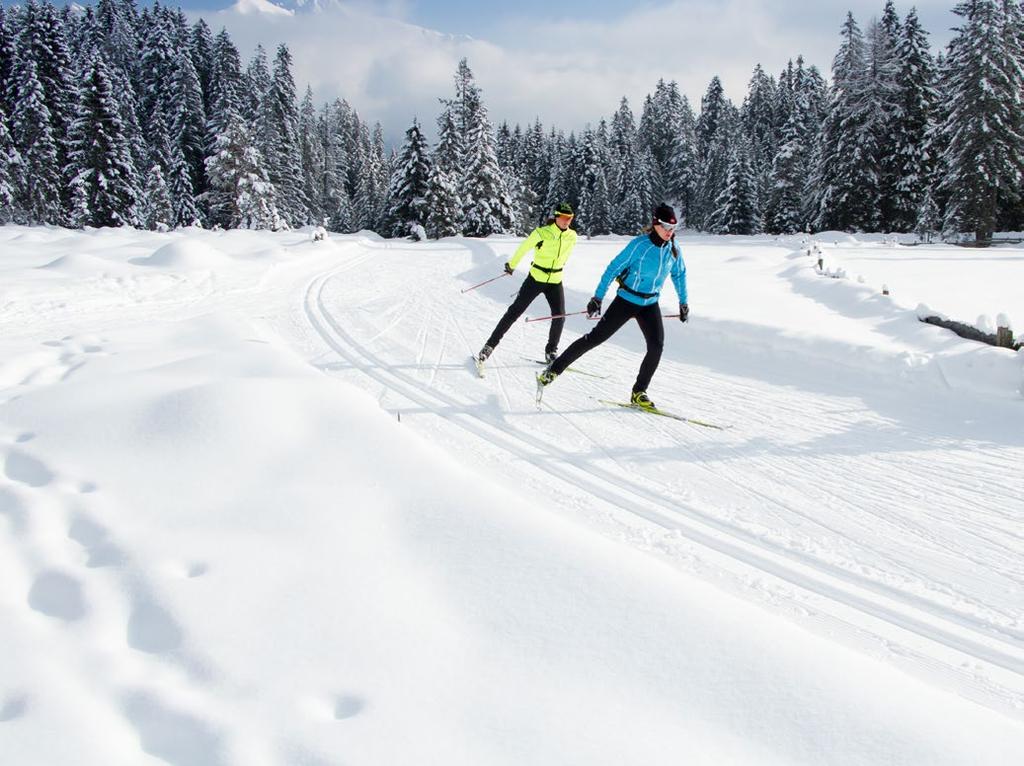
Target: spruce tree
156, 211
240, 193
681, 176
913, 166
38, 195
883, 109
444, 203
738, 207
409, 184
188, 121
311, 153
487, 205
8, 53
185, 209
594, 214
10, 171
846, 174
105, 190
983, 160
758, 118
714, 132
284, 161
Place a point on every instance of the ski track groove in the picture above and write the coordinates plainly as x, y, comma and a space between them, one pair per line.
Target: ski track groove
905, 611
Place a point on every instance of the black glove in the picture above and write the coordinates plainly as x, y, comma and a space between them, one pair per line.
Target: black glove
508, 269
594, 307
684, 312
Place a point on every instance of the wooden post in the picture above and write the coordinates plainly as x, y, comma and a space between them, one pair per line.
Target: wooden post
1004, 337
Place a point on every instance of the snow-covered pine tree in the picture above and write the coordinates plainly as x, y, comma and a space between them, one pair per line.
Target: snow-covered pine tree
409, 184
883, 109
201, 51
594, 214
681, 176
714, 130
284, 159
536, 173
155, 210
982, 166
157, 68
845, 177
334, 197
738, 207
105, 188
757, 116
8, 51
634, 207
185, 209
559, 163
661, 114
486, 203
38, 195
188, 121
912, 164
226, 88
929, 218
311, 152
444, 204
118, 22
256, 89
240, 193
786, 201
10, 171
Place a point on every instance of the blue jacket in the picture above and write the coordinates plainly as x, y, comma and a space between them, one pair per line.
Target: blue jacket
643, 267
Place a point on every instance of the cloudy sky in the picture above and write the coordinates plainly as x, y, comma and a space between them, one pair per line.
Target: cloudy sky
567, 62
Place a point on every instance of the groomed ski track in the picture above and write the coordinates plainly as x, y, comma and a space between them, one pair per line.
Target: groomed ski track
753, 510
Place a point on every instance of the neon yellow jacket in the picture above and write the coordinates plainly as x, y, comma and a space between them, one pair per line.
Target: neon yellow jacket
551, 249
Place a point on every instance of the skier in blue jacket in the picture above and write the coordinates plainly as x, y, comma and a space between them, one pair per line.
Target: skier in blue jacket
641, 269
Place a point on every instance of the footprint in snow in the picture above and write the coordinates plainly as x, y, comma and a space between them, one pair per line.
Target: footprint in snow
56, 594
152, 629
13, 707
12, 508
93, 537
25, 469
348, 706
173, 736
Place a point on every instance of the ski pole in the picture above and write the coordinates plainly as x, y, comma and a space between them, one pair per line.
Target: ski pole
486, 282
556, 316
667, 316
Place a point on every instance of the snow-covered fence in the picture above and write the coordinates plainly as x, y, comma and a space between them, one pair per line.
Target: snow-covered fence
1002, 337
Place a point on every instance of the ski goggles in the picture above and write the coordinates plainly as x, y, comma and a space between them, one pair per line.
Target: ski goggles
570, 216
665, 224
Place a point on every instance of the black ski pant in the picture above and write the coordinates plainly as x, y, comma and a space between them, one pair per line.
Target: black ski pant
620, 312
527, 293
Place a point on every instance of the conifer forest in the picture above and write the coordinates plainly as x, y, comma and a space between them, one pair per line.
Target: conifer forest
112, 115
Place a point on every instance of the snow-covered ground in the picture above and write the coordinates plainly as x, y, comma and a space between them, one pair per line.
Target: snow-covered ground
256, 508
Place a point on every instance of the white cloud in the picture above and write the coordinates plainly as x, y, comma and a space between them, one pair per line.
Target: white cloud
567, 72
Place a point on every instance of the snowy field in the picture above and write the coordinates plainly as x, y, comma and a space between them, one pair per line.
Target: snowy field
256, 508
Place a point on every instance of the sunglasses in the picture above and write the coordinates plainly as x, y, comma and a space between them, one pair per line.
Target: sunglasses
569, 216
666, 226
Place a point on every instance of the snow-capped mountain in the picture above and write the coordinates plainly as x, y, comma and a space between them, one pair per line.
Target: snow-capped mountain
253, 7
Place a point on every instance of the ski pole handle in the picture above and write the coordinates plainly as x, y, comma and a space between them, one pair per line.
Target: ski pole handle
556, 316
485, 282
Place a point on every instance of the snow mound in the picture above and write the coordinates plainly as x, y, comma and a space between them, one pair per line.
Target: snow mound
83, 265
185, 255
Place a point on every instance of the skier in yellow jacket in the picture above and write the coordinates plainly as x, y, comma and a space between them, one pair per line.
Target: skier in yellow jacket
551, 244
